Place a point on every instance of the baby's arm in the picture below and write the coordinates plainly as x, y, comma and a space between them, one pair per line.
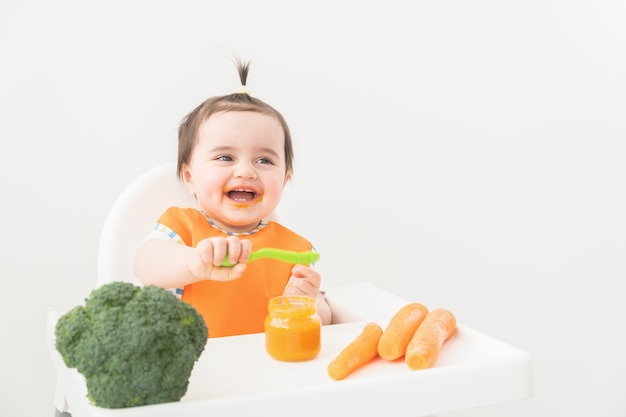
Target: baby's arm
306, 281
168, 264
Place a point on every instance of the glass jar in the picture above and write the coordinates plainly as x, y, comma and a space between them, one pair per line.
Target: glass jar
292, 328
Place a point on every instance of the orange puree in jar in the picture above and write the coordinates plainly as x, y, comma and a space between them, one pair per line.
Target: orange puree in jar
292, 328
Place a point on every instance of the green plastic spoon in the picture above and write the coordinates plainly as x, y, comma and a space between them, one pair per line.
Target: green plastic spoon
292, 257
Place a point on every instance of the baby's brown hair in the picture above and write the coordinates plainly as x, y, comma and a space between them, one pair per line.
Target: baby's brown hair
238, 101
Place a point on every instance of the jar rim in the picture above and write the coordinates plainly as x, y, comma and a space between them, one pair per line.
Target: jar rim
283, 302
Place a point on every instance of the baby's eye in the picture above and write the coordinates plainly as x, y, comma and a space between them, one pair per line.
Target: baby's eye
264, 161
224, 158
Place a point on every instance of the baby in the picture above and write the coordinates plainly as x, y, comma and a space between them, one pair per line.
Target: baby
235, 156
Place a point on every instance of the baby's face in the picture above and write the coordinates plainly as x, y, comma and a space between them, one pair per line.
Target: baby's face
237, 169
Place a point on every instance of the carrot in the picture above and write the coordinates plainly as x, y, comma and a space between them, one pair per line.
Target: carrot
401, 327
357, 353
425, 345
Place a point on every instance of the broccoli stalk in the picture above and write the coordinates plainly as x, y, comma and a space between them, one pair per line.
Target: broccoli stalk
134, 345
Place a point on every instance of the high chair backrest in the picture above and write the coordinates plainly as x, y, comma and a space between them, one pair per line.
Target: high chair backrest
132, 216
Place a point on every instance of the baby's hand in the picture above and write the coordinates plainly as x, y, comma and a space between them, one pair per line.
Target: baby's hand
209, 254
303, 281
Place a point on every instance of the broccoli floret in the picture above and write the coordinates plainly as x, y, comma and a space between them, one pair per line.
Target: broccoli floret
134, 345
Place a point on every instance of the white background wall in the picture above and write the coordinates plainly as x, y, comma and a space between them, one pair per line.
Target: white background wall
465, 154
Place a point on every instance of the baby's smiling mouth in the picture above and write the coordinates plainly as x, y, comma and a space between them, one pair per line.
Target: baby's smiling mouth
241, 195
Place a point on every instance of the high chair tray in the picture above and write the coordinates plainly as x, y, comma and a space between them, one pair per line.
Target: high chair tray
235, 376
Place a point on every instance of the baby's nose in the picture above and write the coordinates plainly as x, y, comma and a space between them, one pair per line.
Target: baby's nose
245, 170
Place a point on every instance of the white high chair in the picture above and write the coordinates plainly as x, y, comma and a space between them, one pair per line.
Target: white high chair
473, 370
131, 218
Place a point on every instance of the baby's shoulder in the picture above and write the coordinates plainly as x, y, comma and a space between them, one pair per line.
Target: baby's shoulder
283, 232
178, 214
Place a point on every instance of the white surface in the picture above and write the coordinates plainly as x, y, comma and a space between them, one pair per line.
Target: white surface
235, 377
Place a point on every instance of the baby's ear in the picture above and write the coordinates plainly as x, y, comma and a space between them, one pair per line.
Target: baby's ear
287, 178
185, 176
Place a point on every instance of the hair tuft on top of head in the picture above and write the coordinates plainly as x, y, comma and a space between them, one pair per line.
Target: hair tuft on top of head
242, 68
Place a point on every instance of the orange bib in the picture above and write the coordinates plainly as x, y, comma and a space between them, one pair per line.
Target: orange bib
239, 306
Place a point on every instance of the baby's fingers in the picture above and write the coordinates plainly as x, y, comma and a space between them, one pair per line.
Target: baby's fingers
310, 275
220, 273
304, 281
238, 251
237, 271
206, 251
